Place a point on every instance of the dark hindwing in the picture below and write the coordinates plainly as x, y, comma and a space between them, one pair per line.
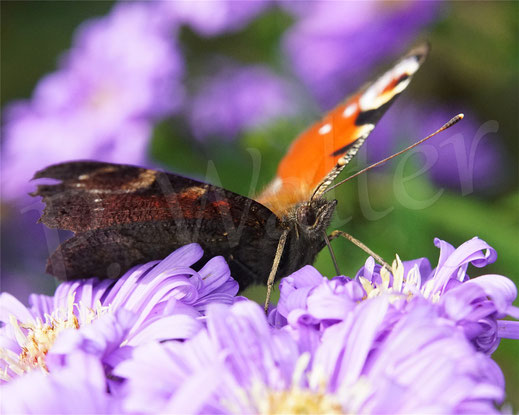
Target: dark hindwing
124, 215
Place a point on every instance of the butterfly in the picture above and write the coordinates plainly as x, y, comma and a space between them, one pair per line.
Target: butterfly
124, 215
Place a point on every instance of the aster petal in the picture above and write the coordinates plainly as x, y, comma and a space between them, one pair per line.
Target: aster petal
175, 306
307, 276
295, 288
300, 317
202, 385
325, 303
423, 264
78, 387
41, 304
184, 256
501, 290
367, 320
241, 331
459, 302
102, 337
475, 251
176, 327
508, 329
63, 293
214, 274
125, 285
146, 296
9, 305
218, 297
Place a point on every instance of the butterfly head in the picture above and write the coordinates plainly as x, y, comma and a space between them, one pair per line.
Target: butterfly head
313, 217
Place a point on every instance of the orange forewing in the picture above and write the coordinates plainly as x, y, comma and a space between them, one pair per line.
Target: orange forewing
318, 150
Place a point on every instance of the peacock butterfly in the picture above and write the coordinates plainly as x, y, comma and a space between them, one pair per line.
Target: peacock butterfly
125, 215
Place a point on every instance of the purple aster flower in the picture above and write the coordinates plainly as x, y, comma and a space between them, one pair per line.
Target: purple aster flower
468, 157
161, 300
475, 305
121, 75
212, 17
237, 99
77, 387
240, 364
333, 44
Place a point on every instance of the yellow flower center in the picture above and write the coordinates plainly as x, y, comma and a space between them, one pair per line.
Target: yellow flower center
296, 399
403, 285
300, 401
36, 338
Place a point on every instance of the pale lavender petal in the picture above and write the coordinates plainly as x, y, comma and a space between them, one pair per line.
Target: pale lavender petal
185, 256
175, 327
475, 251
214, 273
9, 305
326, 303
508, 329
367, 319
124, 286
501, 290
102, 337
79, 387
300, 317
202, 385
41, 304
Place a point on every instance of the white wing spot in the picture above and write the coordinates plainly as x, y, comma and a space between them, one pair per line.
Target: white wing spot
373, 97
325, 129
349, 110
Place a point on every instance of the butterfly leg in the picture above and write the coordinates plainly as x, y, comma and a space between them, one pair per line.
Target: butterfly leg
355, 241
332, 254
275, 265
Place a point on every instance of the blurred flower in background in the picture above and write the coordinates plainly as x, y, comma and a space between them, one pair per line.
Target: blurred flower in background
211, 18
467, 158
121, 75
332, 45
239, 99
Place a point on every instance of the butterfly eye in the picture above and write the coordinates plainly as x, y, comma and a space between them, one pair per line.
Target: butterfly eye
306, 215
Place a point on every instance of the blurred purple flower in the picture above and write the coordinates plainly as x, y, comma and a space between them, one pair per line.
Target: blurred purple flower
161, 300
121, 75
240, 364
239, 98
467, 157
79, 386
474, 305
212, 17
333, 44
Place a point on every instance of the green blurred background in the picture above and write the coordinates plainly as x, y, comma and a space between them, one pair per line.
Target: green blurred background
475, 60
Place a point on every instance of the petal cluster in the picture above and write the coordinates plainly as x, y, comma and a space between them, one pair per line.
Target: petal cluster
166, 338
477, 306
160, 300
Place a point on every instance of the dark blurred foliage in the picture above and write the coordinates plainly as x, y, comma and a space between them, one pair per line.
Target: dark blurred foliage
473, 67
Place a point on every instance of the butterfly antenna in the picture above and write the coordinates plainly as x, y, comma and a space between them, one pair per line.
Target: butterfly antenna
443, 128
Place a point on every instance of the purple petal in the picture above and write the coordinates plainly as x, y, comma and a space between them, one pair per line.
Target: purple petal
202, 385
176, 327
508, 329
475, 251
9, 305
214, 274
501, 290
125, 285
184, 256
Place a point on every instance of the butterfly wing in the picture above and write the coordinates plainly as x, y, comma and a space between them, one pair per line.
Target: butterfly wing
319, 154
125, 215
